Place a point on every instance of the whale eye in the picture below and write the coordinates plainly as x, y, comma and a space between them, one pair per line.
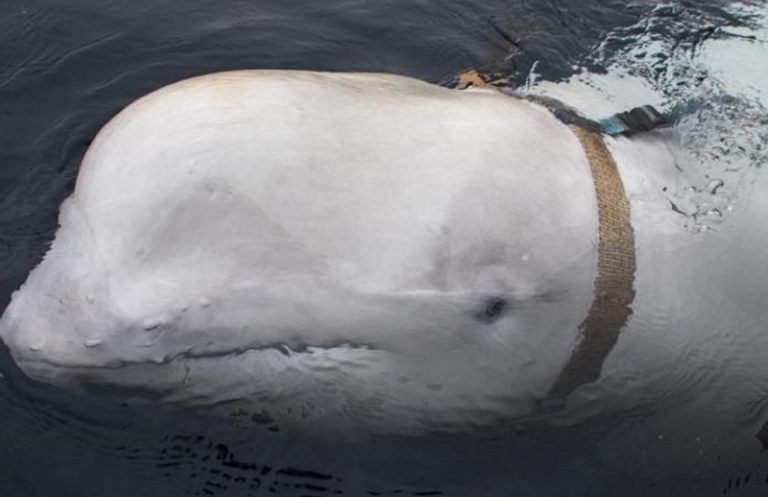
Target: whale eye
494, 307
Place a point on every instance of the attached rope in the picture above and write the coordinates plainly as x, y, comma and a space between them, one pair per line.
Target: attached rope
637, 120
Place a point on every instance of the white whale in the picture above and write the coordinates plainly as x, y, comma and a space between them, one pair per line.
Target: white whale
373, 253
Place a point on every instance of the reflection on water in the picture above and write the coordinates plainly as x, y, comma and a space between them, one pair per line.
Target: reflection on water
65, 68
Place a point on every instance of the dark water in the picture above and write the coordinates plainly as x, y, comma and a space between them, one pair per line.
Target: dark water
67, 67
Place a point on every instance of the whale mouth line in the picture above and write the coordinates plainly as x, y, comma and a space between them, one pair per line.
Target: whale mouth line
285, 349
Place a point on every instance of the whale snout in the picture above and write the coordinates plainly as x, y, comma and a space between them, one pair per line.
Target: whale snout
44, 332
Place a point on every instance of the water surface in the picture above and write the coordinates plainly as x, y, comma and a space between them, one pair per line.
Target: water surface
66, 67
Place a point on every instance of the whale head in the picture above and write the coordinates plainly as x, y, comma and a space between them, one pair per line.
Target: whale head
314, 261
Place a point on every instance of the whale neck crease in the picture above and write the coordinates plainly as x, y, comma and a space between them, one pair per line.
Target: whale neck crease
614, 283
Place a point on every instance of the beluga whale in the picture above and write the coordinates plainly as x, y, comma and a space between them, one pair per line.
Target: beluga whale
371, 253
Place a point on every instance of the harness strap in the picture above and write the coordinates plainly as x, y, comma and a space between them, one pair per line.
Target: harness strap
614, 284
613, 290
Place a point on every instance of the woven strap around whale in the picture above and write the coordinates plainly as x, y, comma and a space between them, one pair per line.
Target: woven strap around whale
613, 290
614, 284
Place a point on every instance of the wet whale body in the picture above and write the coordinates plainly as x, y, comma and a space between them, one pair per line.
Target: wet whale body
362, 252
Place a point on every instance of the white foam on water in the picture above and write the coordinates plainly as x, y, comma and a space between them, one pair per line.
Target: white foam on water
718, 147
740, 61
